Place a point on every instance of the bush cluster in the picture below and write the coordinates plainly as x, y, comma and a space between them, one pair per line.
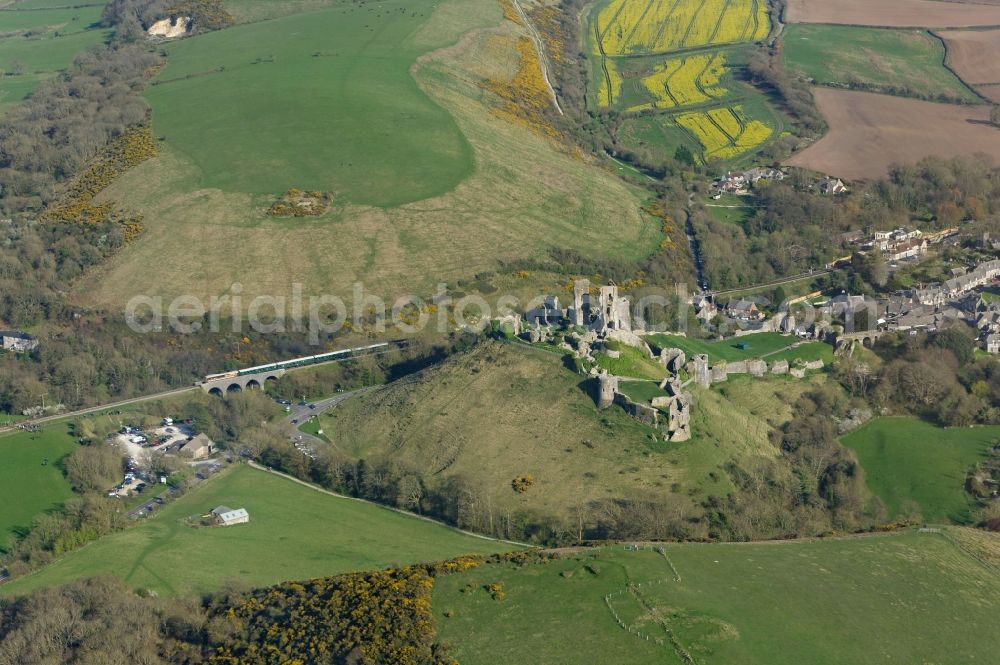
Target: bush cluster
522, 484
365, 618
297, 203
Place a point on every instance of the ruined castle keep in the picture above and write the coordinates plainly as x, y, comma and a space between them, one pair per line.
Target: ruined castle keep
599, 316
601, 313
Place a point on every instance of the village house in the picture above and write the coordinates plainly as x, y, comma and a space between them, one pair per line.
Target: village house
19, 342
744, 310
991, 343
739, 182
832, 186
228, 517
982, 275
886, 239
906, 249
733, 182
704, 307
200, 447
931, 295
765, 173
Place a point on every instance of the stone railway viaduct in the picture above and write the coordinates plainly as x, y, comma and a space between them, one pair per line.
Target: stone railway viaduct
239, 383
256, 378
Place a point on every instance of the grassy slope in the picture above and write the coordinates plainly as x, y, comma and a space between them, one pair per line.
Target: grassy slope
769, 346
58, 35
883, 58
908, 460
903, 598
294, 533
27, 488
526, 194
502, 411
332, 107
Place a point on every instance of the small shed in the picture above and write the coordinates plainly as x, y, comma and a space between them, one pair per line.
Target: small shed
225, 516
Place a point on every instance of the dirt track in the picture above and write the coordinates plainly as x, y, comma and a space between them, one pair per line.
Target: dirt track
974, 54
868, 132
893, 13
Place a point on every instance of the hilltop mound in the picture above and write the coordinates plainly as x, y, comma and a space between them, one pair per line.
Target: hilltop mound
500, 413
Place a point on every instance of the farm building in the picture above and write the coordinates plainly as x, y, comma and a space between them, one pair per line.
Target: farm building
12, 340
228, 516
200, 447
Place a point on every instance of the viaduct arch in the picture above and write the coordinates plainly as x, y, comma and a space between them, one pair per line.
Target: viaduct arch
239, 383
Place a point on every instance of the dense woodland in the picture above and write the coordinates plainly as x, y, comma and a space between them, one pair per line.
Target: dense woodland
50, 137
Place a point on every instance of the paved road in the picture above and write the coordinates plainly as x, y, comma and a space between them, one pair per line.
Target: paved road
301, 414
151, 504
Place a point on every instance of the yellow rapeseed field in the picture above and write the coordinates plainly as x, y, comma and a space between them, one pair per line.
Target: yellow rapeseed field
725, 133
685, 81
629, 27
611, 84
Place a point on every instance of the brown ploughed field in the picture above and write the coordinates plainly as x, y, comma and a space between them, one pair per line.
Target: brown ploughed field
895, 13
974, 55
868, 132
990, 92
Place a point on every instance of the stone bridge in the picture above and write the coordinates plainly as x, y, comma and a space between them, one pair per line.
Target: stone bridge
865, 337
238, 383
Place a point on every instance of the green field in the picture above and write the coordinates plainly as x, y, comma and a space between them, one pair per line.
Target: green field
906, 460
768, 346
318, 101
731, 215
907, 598
632, 362
44, 37
313, 427
294, 533
641, 391
905, 62
27, 486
